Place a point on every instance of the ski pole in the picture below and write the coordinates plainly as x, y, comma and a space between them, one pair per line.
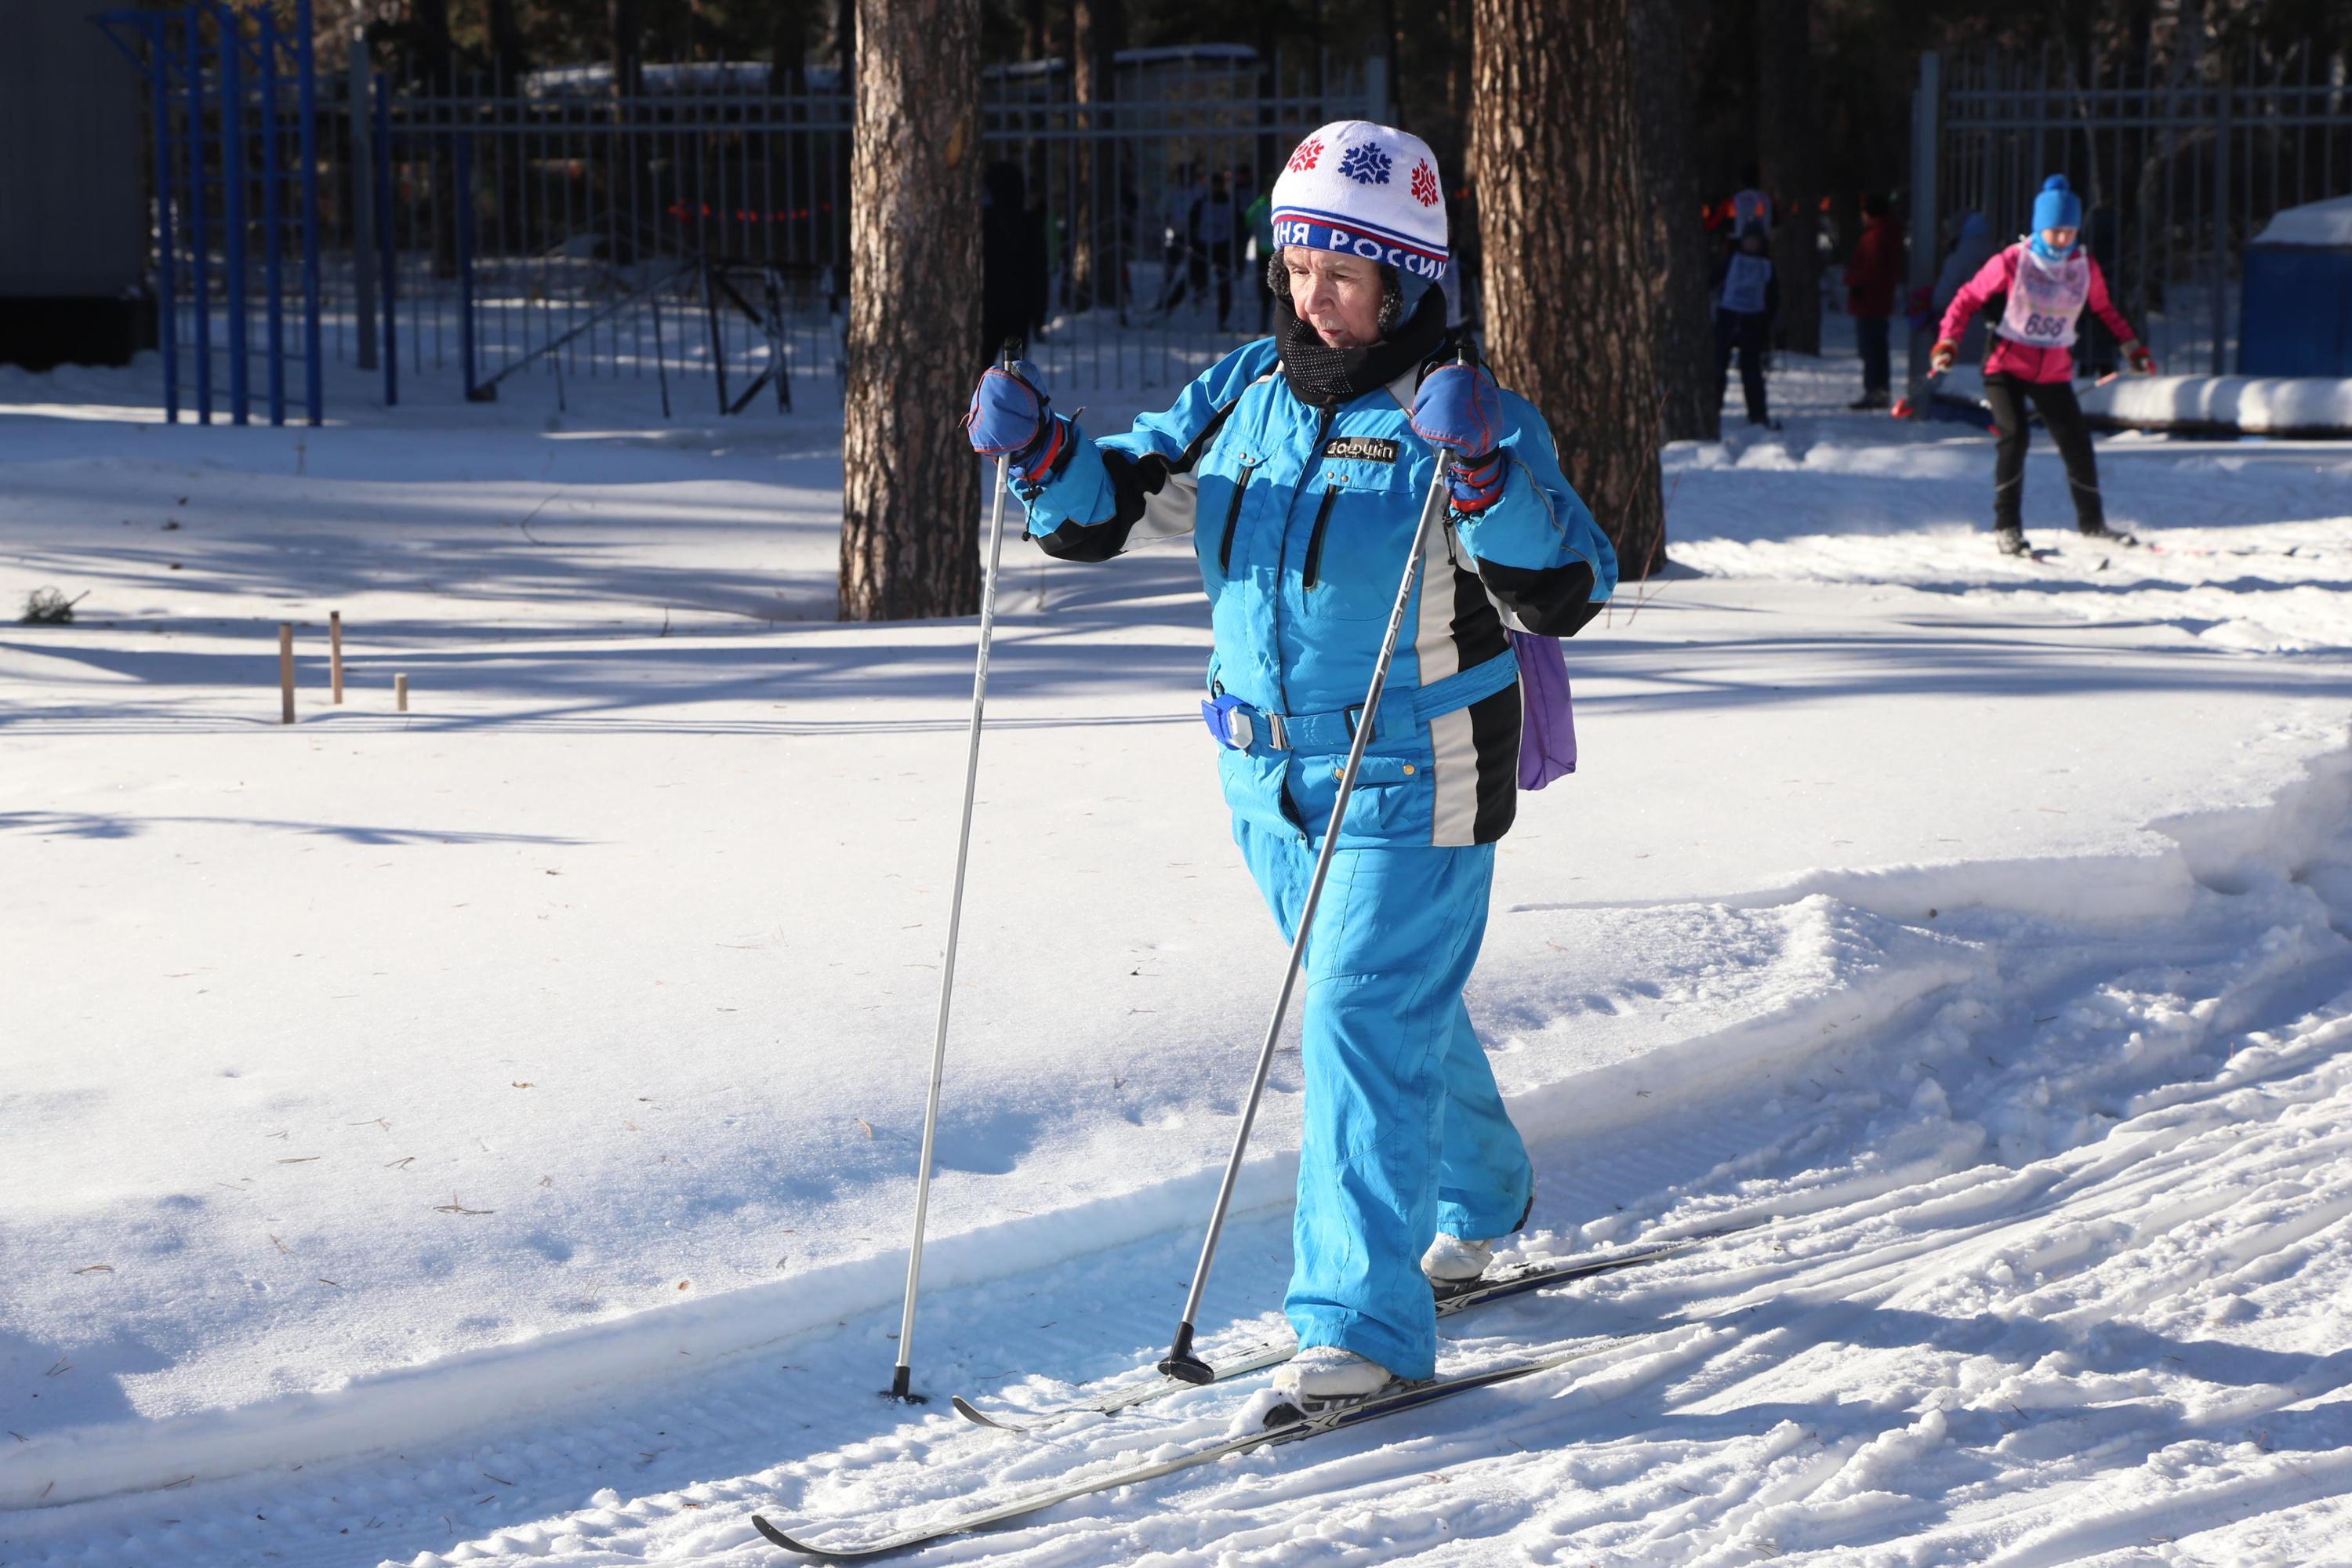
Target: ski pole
900, 1387
1181, 1362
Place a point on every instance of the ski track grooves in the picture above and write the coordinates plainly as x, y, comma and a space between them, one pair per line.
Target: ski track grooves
2048, 1185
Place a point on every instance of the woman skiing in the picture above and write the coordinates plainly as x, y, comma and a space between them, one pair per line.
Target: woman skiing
1300, 464
2048, 277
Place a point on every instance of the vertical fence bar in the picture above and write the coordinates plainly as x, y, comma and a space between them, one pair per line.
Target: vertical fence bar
167, 282
1926, 217
199, 230
273, 275
388, 254
2220, 276
364, 198
464, 196
306, 58
231, 40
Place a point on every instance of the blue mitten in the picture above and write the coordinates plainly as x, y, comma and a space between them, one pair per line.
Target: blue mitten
1011, 417
1460, 407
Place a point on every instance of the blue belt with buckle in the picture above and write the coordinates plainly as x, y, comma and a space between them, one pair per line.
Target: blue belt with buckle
1241, 727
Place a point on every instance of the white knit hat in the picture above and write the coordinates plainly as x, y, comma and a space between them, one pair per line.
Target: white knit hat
1365, 190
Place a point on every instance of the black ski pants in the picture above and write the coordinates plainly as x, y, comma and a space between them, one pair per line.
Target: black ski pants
1745, 331
2062, 416
1870, 335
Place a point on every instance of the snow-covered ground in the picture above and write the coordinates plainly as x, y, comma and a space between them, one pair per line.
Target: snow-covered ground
486, 1133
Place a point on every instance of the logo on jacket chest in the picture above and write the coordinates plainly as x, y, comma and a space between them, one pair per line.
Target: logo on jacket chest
1361, 448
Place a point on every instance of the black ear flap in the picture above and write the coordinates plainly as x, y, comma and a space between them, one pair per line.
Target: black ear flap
1278, 276
1391, 298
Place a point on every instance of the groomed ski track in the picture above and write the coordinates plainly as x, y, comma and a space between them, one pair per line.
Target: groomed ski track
2046, 1111
2038, 1216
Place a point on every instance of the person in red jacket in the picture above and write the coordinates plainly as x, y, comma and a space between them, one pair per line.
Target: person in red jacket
2048, 278
1872, 275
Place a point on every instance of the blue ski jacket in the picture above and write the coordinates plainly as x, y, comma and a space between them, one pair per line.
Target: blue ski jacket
1301, 516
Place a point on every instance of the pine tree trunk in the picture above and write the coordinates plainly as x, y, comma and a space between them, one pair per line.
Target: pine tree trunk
910, 491
1093, 255
1662, 30
1568, 226
1787, 136
505, 29
624, 29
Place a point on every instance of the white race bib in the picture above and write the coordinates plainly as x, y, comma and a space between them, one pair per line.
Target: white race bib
1744, 284
2046, 298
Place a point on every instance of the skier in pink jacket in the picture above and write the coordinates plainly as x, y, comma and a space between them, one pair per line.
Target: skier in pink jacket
2048, 278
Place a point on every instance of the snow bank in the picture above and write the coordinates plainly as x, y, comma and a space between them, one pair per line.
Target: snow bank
2310, 406
2326, 223
1909, 894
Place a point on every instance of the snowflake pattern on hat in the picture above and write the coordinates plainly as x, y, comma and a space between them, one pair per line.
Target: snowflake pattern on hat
1366, 164
1357, 188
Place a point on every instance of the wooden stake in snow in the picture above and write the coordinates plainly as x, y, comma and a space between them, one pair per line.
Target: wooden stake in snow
400, 692
285, 672
335, 652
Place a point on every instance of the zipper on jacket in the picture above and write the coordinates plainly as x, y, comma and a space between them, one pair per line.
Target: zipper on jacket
1233, 517
1314, 568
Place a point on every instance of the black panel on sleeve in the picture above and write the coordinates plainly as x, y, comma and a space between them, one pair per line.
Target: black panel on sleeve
1133, 481
1555, 600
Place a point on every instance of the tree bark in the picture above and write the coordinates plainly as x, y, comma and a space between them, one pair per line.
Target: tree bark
624, 26
1662, 30
1569, 231
1094, 218
1788, 136
505, 29
911, 492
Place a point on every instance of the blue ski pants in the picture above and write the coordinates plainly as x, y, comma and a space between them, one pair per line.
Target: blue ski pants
1405, 1131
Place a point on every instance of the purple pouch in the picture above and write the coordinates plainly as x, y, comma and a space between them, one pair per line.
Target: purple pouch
1548, 738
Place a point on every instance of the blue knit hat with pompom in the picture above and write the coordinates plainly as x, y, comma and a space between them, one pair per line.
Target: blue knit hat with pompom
2057, 206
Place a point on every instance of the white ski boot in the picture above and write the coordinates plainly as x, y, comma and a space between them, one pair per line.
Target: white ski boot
1452, 1260
1324, 1378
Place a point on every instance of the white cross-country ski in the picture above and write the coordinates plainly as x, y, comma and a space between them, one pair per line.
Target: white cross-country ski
1407, 1396
1268, 1352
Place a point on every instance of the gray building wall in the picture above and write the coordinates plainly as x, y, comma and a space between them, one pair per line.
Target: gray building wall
73, 176
73, 198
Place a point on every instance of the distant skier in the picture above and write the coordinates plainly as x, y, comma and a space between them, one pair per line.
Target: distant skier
1185, 189
1214, 233
1747, 300
2048, 277
1872, 275
1299, 465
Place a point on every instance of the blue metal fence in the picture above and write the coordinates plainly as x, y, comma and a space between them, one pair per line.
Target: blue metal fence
235, 196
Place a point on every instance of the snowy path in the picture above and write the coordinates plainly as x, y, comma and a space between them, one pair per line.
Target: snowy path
2044, 1253
518, 1090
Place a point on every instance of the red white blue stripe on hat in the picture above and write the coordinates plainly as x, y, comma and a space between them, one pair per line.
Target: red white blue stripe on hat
1353, 236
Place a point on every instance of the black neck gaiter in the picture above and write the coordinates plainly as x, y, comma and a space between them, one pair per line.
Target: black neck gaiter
1328, 377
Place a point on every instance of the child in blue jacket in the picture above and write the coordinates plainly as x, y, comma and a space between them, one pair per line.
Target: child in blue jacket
1299, 466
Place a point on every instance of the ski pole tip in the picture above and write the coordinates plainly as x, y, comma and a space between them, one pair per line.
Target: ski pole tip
1181, 1365
901, 1388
